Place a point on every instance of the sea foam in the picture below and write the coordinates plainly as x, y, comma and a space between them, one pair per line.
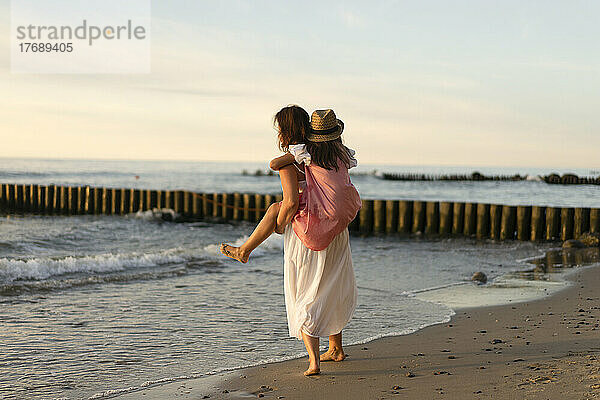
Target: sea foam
38, 268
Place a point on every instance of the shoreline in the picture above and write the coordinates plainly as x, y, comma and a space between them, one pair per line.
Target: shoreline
481, 352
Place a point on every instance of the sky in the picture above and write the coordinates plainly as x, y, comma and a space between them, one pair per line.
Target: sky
477, 83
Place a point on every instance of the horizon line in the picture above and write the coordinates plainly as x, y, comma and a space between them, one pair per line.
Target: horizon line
591, 168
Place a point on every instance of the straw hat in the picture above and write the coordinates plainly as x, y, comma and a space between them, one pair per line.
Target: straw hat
325, 126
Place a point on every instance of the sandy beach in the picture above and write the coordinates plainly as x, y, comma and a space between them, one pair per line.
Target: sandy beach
541, 349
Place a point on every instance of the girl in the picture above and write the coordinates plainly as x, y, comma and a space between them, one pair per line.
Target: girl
293, 124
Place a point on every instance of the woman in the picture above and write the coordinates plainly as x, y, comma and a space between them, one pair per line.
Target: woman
320, 289
320, 201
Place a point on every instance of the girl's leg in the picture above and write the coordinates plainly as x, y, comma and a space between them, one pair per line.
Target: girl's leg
312, 346
263, 230
335, 351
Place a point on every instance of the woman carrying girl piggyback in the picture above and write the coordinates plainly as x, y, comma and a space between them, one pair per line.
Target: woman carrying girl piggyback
319, 201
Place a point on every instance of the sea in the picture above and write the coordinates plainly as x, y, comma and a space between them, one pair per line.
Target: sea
97, 306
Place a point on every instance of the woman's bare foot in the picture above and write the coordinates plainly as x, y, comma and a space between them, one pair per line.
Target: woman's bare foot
333, 354
312, 370
234, 252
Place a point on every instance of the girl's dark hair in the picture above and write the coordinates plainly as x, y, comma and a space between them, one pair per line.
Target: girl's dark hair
294, 125
328, 154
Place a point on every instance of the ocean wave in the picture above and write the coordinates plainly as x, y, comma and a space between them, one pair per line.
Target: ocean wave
19, 174
33, 269
6, 246
158, 214
19, 275
39, 268
534, 178
21, 287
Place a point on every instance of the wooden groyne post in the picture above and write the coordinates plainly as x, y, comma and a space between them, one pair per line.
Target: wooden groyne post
394, 217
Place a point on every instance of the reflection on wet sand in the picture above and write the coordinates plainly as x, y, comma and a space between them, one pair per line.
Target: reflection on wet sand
557, 260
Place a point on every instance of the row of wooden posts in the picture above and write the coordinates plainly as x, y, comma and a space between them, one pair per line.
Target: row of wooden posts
430, 218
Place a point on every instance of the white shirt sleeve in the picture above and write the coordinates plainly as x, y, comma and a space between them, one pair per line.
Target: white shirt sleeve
300, 154
353, 161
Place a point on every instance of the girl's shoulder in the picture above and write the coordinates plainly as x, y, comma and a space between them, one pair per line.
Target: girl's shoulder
300, 154
297, 148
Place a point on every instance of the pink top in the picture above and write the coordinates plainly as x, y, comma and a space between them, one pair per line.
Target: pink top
328, 202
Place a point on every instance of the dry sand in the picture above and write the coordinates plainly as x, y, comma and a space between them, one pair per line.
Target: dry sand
541, 349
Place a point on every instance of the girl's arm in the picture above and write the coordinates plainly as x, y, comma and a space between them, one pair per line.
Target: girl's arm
277, 163
289, 205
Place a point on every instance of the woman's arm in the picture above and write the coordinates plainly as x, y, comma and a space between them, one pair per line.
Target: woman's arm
289, 205
277, 163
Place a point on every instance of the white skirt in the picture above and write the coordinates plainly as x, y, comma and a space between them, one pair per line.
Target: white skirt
320, 289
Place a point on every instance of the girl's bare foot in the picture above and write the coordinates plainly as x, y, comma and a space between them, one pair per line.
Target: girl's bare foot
312, 370
234, 252
333, 354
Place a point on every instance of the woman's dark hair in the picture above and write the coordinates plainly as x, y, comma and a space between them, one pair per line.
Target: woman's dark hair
327, 154
294, 125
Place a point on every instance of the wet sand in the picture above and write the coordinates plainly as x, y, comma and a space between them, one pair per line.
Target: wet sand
541, 349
